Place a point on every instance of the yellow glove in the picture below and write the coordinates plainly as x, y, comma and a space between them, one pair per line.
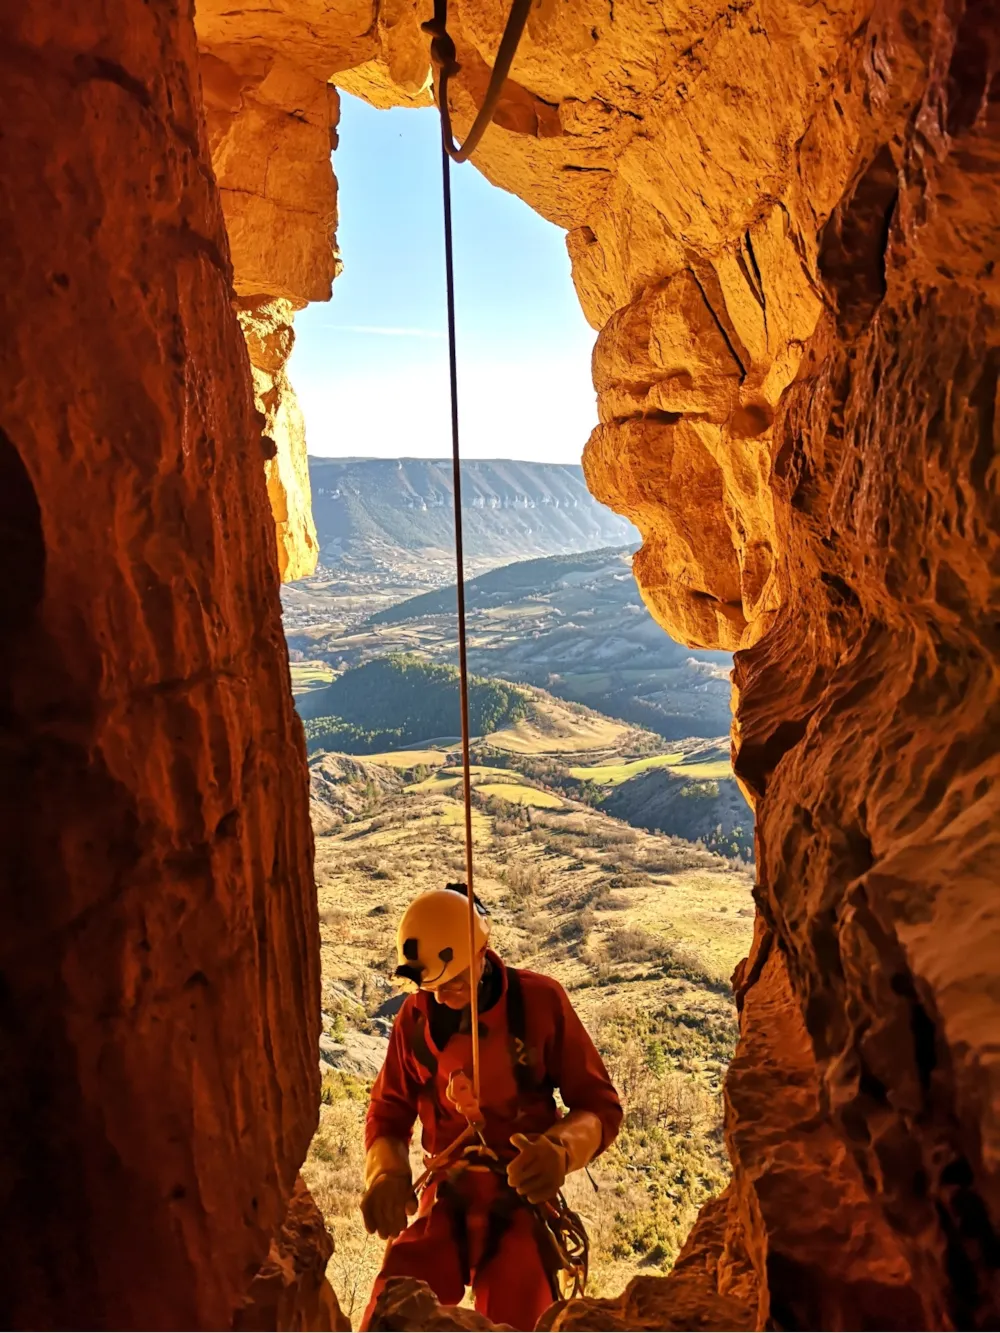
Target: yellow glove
539, 1169
388, 1200
387, 1204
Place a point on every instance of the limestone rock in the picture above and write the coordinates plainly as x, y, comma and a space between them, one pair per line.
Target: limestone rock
710, 1287
160, 992
269, 125
267, 327
407, 1304
359, 1053
290, 1292
802, 1210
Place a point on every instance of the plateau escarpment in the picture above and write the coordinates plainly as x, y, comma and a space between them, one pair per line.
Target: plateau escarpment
396, 514
782, 221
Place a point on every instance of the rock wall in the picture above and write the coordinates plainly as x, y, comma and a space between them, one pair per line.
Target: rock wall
271, 125
868, 717
159, 989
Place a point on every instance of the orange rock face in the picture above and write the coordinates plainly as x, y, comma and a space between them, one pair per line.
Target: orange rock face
159, 992
291, 1291
867, 718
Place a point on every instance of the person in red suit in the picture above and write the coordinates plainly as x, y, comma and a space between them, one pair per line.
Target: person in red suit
477, 1225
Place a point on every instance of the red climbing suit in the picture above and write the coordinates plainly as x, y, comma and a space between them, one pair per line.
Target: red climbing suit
475, 1229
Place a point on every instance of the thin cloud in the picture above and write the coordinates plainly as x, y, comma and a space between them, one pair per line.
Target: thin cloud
385, 331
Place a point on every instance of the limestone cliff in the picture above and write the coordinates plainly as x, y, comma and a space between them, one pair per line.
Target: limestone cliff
271, 125
159, 978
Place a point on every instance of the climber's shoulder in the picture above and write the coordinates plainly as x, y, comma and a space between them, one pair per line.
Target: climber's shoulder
412, 1010
541, 990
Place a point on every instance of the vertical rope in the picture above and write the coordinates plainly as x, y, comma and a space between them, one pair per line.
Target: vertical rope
463, 670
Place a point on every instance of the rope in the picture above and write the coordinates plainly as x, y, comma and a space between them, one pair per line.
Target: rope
444, 60
463, 666
565, 1229
443, 56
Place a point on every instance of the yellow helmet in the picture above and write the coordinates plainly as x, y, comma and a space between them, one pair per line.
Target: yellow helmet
432, 941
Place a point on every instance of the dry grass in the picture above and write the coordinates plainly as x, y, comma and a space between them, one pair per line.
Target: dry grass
518, 794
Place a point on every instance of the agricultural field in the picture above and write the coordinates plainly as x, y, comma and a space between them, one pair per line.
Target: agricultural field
310, 675
644, 930
696, 761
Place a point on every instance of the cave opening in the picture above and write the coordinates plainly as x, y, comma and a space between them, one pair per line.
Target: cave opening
644, 921
807, 445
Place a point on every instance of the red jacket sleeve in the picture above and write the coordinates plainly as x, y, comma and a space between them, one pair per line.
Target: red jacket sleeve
393, 1106
575, 1066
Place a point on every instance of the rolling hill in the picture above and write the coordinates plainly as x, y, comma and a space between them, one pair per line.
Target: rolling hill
574, 625
396, 701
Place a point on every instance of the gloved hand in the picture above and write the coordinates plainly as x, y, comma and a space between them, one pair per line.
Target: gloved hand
387, 1203
540, 1167
388, 1198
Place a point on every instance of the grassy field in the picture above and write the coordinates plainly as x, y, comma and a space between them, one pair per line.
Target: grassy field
557, 728
411, 758
310, 675
643, 930
618, 771
434, 784
485, 771
714, 768
519, 794
612, 774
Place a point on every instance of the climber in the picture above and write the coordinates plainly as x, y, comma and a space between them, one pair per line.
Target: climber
478, 1222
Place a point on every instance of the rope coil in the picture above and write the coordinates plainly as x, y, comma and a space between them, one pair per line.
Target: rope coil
446, 65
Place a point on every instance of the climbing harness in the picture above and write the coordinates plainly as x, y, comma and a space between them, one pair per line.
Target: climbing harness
561, 1230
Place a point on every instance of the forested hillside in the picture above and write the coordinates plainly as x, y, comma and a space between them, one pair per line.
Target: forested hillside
399, 700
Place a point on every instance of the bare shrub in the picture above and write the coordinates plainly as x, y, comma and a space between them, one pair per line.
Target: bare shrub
631, 879
375, 869
337, 922
606, 901
576, 926
522, 881
630, 944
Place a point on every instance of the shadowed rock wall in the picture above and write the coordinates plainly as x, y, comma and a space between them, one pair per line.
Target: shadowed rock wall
159, 992
868, 718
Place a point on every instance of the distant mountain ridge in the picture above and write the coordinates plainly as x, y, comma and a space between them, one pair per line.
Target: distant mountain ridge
376, 512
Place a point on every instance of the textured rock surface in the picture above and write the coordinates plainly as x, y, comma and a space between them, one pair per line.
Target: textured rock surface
271, 124
710, 1287
267, 327
291, 1292
159, 1002
868, 718
408, 1304
801, 1212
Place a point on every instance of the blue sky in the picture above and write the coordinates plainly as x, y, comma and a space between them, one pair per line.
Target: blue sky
370, 366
